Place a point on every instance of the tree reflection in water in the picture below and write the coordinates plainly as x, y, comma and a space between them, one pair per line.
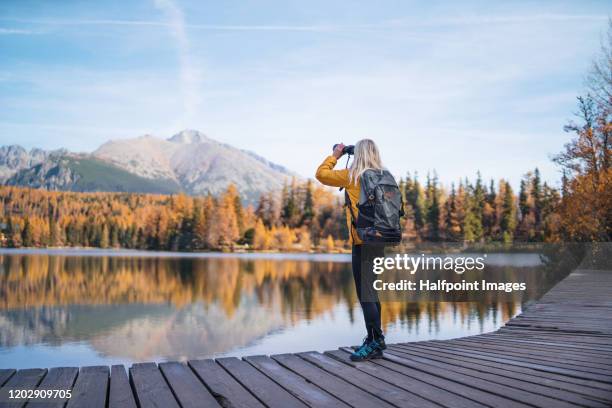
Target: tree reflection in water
142, 308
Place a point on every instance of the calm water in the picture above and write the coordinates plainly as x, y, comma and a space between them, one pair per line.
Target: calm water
104, 307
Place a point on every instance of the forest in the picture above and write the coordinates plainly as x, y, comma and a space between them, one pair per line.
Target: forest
303, 216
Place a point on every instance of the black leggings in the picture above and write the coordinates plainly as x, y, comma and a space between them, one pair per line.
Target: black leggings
368, 297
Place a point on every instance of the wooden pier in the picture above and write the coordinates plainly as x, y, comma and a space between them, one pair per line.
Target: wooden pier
557, 353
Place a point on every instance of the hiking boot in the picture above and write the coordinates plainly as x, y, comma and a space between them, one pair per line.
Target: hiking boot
380, 341
369, 350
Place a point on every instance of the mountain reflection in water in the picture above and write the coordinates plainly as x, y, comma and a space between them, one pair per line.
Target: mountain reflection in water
72, 308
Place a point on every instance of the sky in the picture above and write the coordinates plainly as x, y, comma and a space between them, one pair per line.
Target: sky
452, 86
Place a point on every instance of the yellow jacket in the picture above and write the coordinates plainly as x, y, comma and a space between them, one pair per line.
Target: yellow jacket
340, 178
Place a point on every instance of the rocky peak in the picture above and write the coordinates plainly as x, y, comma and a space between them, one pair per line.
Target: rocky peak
188, 136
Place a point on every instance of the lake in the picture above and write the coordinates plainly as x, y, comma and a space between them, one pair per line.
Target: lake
88, 307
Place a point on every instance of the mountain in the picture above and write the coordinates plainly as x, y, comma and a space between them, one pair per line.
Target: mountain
189, 161
87, 174
14, 158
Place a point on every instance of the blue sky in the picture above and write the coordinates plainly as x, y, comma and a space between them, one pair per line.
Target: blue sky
452, 86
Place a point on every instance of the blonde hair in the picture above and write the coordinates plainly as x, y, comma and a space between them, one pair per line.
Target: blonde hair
366, 157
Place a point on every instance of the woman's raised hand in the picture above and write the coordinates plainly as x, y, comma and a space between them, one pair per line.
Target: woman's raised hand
338, 150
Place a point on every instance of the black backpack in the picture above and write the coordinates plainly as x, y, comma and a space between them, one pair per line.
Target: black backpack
380, 208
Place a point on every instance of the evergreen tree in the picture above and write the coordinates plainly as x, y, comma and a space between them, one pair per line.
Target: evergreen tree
551, 220
536, 192
472, 223
415, 197
479, 198
527, 224
308, 209
27, 236
523, 204
489, 216
452, 219
508, 213
433, 208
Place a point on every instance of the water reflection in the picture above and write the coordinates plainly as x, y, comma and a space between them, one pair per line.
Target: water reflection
141, 308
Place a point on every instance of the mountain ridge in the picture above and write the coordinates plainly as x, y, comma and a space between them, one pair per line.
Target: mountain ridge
188, 161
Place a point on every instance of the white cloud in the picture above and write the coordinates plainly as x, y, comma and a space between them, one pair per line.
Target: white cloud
177, 20
189, 74
17, 31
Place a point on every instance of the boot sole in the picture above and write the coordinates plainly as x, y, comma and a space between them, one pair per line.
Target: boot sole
357, 348
373, 357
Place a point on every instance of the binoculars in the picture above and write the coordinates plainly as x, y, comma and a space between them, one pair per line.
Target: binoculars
350, 149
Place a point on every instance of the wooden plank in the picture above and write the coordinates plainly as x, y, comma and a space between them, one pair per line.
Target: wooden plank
187, 388
90, 388
519, 368
266, 390
573, 354
541, 355
566, 360
515, 392
590, 338
427, 391
381, 389
120, 393
5, 374
545, 396
59, 378
536, 377
150, 388
308, 393
467, 391
602, 374
527, 363
26, 379
225, 389
522, 341
350, 394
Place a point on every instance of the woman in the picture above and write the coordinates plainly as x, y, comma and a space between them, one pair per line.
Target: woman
366, 157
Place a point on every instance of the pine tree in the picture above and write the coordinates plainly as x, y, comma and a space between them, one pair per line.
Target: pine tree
479, 197
433, 208
198, 225
308, 209
472, 223
27, 236
536, 192
527, 224
452, 219
551, 220
415, 197
489, 218
508, 213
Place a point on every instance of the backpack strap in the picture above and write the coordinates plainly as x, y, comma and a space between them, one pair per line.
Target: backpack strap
347, 202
